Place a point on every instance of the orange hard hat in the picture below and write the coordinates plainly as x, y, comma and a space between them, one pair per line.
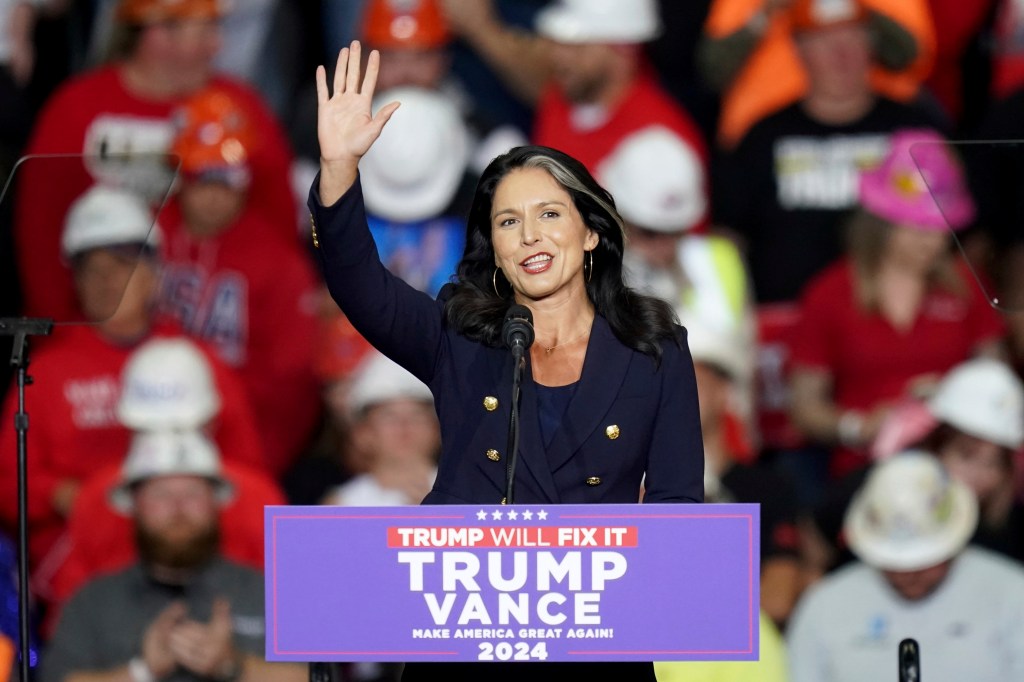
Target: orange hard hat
153, 11
213, 133
404, 23
807, 15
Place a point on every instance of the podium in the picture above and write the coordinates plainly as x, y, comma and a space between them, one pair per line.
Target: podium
635, 582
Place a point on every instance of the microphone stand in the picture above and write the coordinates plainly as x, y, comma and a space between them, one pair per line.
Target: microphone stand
519, 361
325, 672
21, 329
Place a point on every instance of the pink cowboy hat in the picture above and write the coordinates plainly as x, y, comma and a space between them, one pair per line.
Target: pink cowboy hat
920, 183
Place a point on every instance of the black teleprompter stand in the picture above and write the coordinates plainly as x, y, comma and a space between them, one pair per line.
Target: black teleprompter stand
21, 329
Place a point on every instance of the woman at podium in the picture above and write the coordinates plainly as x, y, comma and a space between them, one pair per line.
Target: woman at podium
608, 394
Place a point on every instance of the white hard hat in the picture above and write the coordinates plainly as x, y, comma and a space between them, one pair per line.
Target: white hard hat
721, 348
169, 453
600, 21
657, 180
379, 379
107, 216
984, 398
909, 514
167, 383
415, 167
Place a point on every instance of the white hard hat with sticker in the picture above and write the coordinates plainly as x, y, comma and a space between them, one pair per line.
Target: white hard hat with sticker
910, 514
169, 453
657, 180
167, 383
982, 397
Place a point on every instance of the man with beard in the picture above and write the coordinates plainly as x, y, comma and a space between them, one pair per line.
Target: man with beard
183, 612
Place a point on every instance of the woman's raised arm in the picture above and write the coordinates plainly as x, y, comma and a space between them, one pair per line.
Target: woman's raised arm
346, 126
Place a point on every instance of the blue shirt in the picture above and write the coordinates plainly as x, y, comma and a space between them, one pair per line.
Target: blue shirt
551, 404
424, 254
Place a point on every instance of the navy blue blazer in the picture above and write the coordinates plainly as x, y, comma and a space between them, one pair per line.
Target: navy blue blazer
628, 421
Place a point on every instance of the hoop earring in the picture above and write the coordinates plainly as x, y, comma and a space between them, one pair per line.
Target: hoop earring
494, 282
589, 273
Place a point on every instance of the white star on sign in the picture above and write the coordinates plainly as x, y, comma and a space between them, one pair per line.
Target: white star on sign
481, 515
542, 515
496, 515
527, 515
512, 514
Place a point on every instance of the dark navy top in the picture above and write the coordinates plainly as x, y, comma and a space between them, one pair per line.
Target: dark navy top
552, 402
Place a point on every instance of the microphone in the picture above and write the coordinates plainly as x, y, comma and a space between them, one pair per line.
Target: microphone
909, 661
517, 332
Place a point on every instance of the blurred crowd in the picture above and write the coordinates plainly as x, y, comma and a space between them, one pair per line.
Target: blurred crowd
829, 192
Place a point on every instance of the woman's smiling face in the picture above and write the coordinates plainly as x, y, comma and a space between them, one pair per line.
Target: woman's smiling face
538, 236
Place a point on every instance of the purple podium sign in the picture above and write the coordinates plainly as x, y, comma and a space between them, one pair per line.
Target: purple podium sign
636, 582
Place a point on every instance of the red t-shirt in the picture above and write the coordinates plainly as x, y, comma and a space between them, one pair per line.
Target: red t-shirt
252, 296
957, 24
74, 431
870, 361
645, 104
1007, 50
95, 114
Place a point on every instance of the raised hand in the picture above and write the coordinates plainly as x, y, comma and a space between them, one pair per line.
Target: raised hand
346, 126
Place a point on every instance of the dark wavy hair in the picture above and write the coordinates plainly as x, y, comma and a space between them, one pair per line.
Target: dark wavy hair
477, 311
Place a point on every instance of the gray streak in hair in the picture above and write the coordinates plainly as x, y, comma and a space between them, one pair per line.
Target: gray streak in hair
564, 177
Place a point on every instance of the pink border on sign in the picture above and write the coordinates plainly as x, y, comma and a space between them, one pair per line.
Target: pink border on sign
342, 517
752, 619
750, 577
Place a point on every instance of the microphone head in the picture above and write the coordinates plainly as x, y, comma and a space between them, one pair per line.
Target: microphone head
521, 312
518, 327
909, 661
